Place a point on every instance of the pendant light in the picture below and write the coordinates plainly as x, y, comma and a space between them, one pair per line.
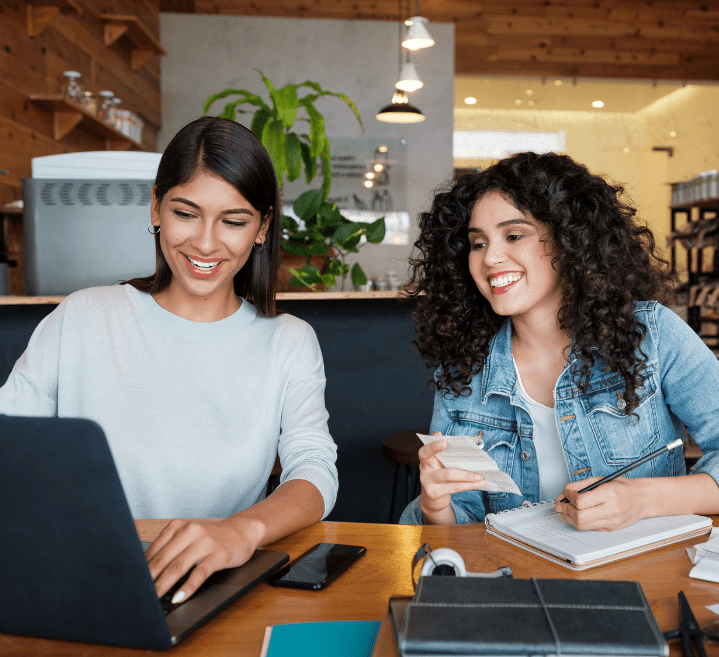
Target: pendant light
399, 110
417, 34
409, 78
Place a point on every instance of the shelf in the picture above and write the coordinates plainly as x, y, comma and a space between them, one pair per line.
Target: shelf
41, 13
144, 44
706, 203
67, 116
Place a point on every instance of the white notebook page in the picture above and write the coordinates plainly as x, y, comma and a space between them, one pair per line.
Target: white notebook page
544, 528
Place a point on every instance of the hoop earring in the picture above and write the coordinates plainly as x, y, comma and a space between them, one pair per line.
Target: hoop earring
262, 246
150, 226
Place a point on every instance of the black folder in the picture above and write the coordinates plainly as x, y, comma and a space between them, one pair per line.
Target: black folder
486, 617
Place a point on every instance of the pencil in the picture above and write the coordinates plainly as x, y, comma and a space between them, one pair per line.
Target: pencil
652, 455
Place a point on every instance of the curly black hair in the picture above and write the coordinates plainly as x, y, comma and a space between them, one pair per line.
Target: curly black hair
606, 261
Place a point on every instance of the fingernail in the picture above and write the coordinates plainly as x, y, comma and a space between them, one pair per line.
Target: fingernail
178, 597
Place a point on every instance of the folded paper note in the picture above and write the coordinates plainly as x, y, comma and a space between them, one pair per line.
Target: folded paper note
463, 453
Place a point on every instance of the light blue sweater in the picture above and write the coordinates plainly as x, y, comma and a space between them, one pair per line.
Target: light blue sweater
194, 412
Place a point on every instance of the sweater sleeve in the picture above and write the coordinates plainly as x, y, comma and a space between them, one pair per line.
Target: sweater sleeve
31, 388
306, 448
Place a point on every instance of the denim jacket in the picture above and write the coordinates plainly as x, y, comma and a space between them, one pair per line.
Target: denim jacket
680, 388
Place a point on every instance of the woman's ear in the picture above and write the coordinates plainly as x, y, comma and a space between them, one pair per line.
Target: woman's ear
155, 208
266, 223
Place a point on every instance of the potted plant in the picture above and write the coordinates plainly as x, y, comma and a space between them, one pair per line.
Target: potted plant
289, 150
325, 232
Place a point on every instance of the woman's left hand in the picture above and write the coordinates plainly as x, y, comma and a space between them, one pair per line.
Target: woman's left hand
608, 507
203, 547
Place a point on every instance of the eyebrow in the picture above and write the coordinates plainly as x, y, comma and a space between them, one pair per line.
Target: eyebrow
502, 224
197, 207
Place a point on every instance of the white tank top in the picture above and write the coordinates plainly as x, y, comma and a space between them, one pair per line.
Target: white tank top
551, 464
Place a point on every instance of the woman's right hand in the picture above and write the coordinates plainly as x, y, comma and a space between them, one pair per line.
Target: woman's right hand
438, 484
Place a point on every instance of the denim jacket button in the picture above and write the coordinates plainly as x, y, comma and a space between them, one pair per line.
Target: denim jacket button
524, 455
621, 404
525, 504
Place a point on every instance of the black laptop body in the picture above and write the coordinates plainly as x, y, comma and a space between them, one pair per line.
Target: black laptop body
71, 563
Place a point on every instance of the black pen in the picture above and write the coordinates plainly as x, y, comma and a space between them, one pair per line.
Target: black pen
667, 448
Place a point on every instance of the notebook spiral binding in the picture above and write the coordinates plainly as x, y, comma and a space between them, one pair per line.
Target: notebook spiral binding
525, 505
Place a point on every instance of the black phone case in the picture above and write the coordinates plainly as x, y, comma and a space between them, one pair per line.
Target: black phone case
319, 584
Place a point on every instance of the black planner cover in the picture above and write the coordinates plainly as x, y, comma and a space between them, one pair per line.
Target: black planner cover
467, 616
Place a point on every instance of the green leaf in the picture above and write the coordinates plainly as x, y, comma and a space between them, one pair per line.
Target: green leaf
273, 139
326, 172
286, 104
308, 276
308, 204
351, 244
310, 162
318, 139
334, 267
258, 121
293, 157
347, 231
295, 249
358, 276
288, 223
376, 231
330, 216
318, 248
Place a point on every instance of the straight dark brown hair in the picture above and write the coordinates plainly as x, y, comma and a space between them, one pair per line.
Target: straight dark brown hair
227, 150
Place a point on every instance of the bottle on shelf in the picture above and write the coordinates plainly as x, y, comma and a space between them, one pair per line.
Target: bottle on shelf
116, 117
89, 102
107, 107
72, 89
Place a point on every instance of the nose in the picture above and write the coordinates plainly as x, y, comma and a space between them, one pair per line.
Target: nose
494, 253
205, 239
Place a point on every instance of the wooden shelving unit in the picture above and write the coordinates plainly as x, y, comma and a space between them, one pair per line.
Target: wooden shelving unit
144, 44
67, 116
700, 292
41, 13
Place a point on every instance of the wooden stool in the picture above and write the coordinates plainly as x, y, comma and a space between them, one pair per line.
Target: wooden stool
401, 448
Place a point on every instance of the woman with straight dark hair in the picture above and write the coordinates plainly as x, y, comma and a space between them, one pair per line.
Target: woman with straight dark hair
538, 301
196, 380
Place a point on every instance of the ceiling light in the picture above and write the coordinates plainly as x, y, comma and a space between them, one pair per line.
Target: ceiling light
672, 134
626, 149
409, 79
558, 83
368, 184
598, 103
400, 111
378, 167
382, 149
470, 100
529, 92
369, 175
518, 102
417, 34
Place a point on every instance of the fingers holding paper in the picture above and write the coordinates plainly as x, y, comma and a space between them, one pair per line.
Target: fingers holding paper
440, 482
608, 507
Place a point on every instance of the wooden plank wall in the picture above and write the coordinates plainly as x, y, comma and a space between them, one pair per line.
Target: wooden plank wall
35, 65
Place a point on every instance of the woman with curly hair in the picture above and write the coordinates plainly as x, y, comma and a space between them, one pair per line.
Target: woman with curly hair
539, 304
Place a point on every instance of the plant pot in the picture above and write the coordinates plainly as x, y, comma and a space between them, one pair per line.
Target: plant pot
297, 262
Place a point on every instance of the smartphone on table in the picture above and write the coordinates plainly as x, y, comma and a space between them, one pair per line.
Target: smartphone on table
317, 567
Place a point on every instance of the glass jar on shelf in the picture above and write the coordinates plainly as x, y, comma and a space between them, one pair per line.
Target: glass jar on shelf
89, 102
107, 106
116, 117
72, 88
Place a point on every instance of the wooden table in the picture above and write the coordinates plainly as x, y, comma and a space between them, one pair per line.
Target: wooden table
362, 592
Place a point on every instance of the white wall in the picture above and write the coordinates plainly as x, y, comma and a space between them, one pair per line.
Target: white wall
206, 54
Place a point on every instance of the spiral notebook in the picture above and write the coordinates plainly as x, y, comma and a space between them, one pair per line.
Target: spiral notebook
541, 530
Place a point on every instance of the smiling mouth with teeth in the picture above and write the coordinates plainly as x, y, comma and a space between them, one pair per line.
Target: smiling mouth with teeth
205, 268
502, 282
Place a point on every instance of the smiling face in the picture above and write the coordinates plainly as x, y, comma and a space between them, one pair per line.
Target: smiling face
207, 232
510, 259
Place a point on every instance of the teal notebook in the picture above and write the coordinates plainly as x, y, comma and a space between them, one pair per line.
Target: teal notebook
322, 639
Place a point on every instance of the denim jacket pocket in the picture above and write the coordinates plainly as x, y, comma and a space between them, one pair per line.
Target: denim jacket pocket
500, 438
622, 438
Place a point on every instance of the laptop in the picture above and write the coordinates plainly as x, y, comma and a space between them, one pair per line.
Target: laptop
71, 563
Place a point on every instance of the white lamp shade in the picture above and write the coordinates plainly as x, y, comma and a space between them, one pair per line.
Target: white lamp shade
409, 79
417, 34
